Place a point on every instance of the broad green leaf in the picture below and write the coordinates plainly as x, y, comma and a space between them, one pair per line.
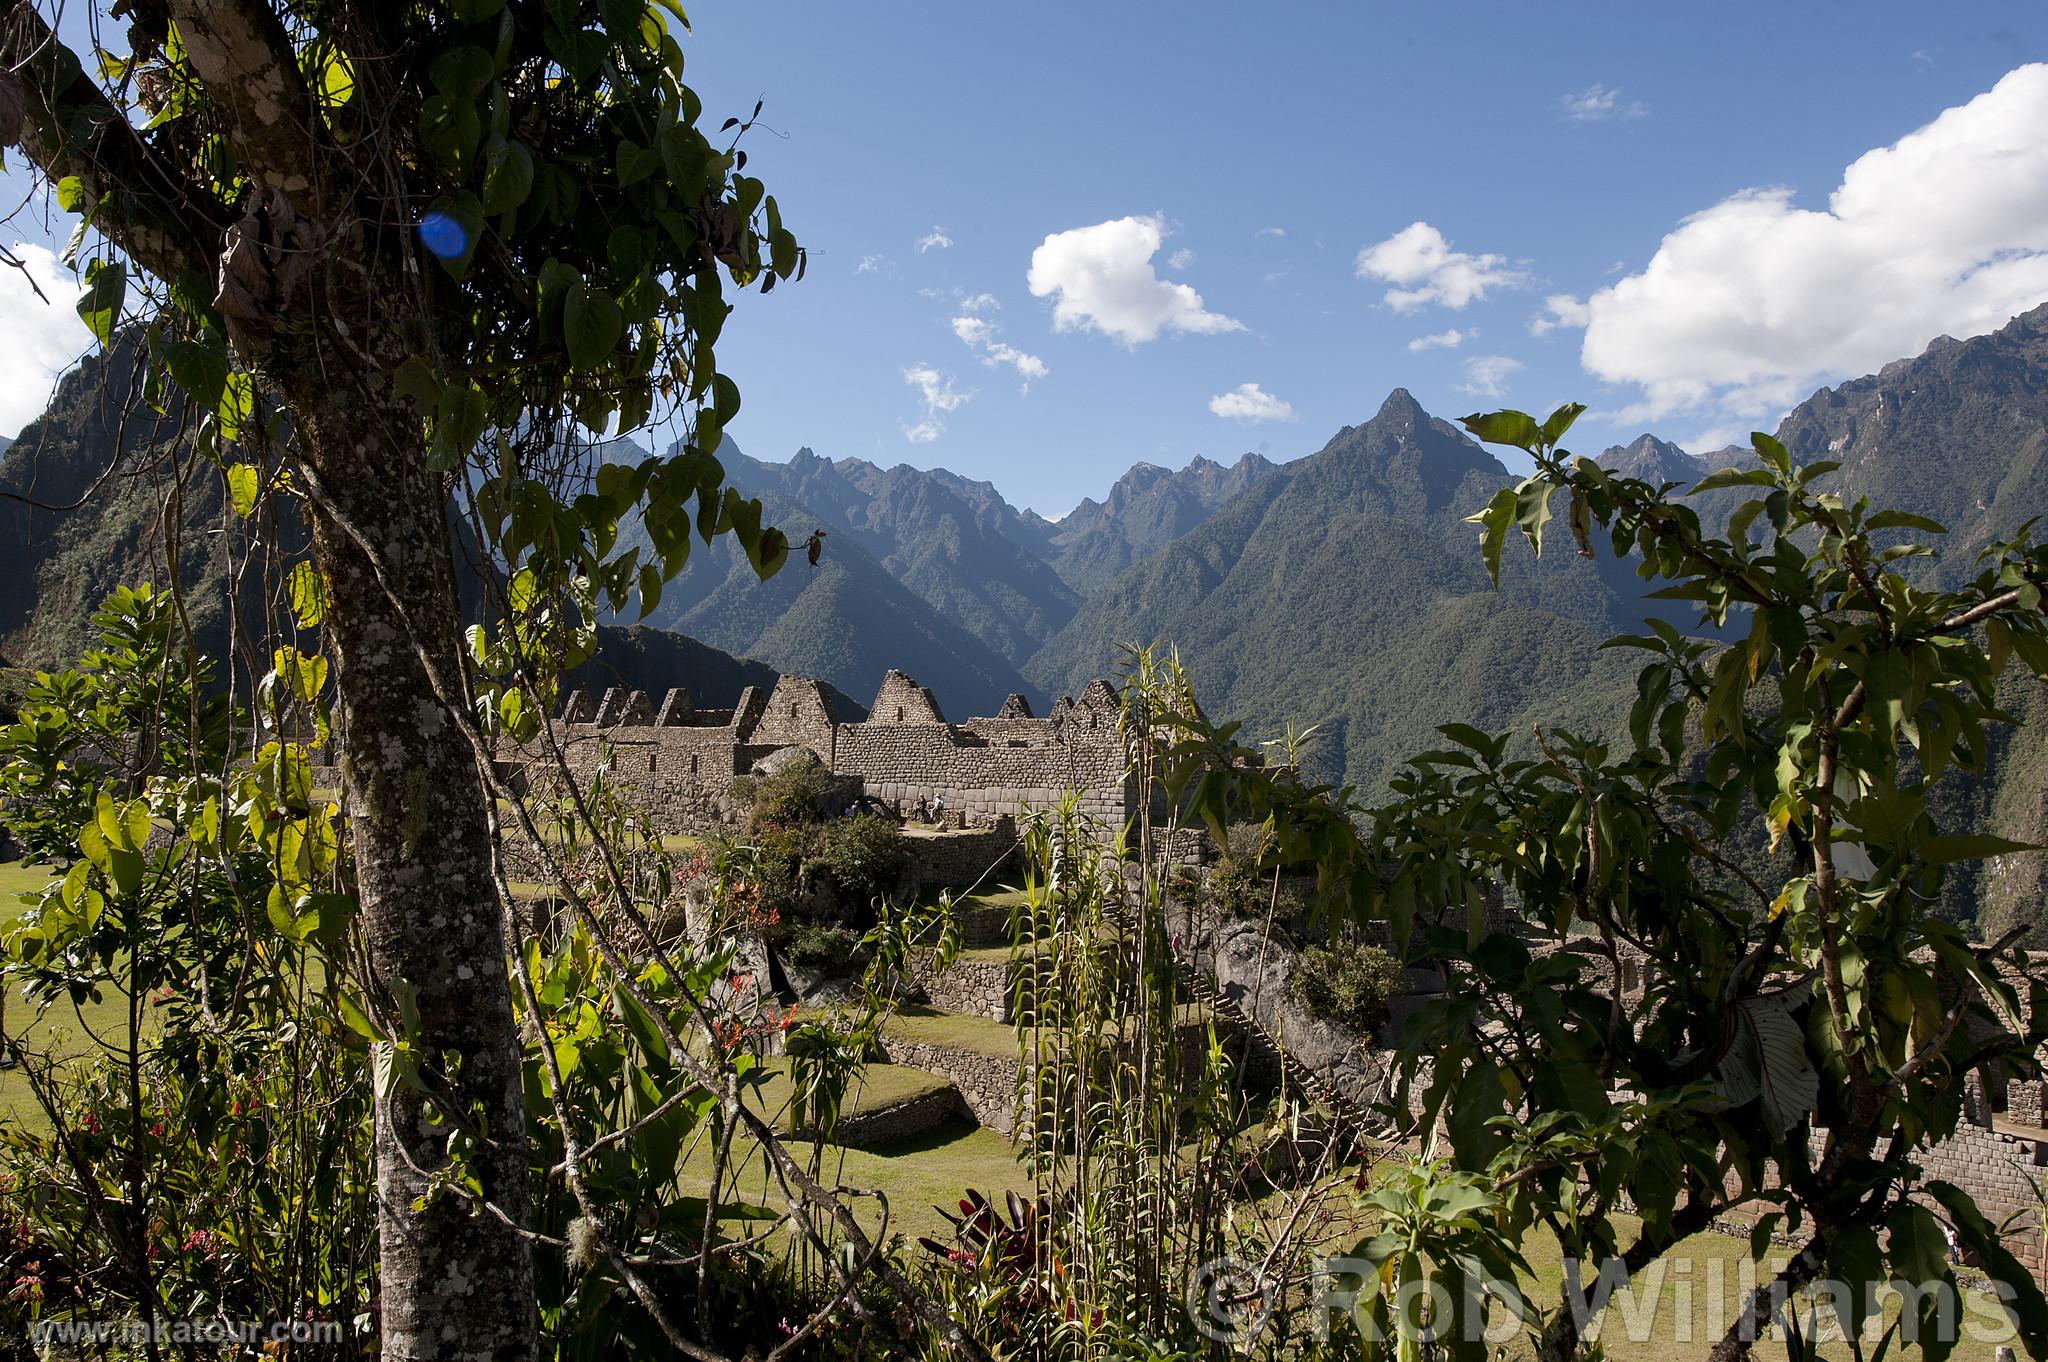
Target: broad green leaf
1969, 847
243, 484
200, 370
99, 305
1504, 428
508, 175
591, 325
308, 594
237, 404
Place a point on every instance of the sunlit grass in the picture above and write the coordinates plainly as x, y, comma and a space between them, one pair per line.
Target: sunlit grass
62, 1030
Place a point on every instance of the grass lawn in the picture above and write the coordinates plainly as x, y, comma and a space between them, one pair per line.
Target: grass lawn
918, 1175
882, 1085
977, 1035
62, 1031
1672, 1307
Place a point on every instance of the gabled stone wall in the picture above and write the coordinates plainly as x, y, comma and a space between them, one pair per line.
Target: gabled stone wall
677, 762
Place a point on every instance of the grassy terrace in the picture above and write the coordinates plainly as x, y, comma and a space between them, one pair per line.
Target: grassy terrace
62, 1031
976, 1035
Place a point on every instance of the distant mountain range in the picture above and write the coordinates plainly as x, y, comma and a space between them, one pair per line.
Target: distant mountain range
1147, 508
1342, 590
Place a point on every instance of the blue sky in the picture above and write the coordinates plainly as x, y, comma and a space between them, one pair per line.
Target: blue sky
926, 153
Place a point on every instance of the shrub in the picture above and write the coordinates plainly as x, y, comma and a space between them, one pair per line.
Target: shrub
815, 945
1350, 981
1241, 885
794, 794
864, 858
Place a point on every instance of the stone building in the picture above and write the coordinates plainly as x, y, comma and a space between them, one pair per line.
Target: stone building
678, 762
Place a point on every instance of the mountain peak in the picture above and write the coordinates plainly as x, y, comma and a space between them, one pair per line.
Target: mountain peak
1401, 405
1652, 460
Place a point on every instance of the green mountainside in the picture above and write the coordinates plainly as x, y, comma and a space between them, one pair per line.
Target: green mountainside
655, 660
1344, 590
1341, 590
1146, 509
82, 497
847, 620
955, 544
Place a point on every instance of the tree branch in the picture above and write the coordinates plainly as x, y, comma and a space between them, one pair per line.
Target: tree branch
72, 131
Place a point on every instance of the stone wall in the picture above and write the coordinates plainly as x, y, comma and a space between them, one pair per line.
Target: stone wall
987, 1083
962, 856
899, 1121
676, 761
977, 988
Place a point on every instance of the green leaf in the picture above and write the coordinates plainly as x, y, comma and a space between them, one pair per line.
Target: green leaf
1493, 525
459, 421
99, 305
591, 325
450, 128
1771, 452
462, 72
1532, 510
508, 175
1733, 477
1969, 847
1560, 421
1505, 428
199, 369
237, 405
1902, 520
243, 484
308, 594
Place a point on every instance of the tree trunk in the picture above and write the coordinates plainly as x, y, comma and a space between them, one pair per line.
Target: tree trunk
457, 1281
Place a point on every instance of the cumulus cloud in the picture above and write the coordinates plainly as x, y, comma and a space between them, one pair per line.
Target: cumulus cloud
1248, 404
1598, 103
1442, 340
938, 396
1560, 310
934, 240
1750, 304
1101, 279
1488, 375
38, 339
1424, 269
978, 333
1180, 259
872, 264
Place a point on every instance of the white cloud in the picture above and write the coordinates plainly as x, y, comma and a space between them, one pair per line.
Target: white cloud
1424, 269
1488, 375
934, 240
1101, 279
1752, 303
1249, 404
1597, 103
1442, 340
978, 334
38, 339
1180, 259
938, 396
871, 264
1560, 310
1271, 231
980, 302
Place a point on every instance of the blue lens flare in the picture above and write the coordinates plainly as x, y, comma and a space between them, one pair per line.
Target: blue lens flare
443, 235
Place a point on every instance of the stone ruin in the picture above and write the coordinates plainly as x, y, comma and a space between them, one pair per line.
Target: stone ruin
678, 763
